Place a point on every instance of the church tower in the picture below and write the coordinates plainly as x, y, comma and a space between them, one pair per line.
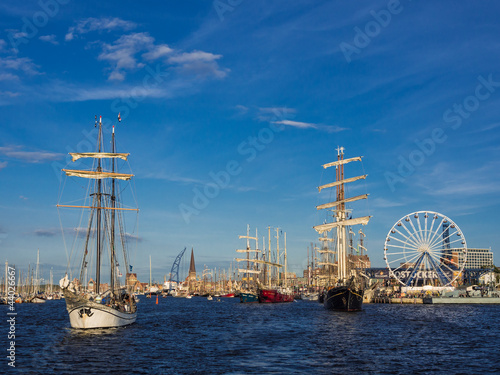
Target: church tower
192, 267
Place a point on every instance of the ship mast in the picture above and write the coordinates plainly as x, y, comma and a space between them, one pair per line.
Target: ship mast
340, 212
341, 268
98, 213
113, 205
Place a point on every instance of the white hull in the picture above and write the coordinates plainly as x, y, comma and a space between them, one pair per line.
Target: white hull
37, 300
92, 315
85, 314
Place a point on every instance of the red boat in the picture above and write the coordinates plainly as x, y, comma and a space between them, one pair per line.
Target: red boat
229, 295
274, 296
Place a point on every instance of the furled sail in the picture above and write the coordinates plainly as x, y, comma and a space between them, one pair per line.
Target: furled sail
97, 155
259, 261
326, 251
97, 175
326, 264
247, 271
327, 227
337, 183
247, 251
336, 203
328, 239
340, 162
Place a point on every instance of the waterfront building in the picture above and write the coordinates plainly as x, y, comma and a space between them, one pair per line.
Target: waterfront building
477, 258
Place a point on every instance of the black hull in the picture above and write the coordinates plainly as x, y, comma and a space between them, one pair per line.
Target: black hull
344, 298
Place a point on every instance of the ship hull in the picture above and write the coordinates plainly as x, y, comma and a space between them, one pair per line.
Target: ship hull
249, 298
85, 314
344, 298
274, 296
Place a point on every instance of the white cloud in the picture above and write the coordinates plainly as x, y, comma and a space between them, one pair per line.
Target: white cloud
98, 24
157, 51
308, 125
49, 39
296, 124
18, 64
199, 63
16, 152
189, 57
121, 54
3, 164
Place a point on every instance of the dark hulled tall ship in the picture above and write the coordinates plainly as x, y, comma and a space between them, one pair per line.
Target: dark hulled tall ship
345, 286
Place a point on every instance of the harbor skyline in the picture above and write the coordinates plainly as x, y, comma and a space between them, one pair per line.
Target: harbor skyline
229, 109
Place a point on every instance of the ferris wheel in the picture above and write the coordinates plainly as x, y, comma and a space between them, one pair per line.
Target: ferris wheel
425, 248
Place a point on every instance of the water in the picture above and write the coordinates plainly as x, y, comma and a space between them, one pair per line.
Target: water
196, 336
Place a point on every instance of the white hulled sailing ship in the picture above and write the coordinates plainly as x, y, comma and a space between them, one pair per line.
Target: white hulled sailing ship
346, 288
95, 304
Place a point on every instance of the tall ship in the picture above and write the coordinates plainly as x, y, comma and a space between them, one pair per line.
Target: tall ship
344, 283
249, 286
99, 297
262, 281
278, 292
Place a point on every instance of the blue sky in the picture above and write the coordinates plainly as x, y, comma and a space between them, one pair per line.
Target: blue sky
259, 94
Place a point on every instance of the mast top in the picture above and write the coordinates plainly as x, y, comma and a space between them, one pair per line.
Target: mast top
340, 150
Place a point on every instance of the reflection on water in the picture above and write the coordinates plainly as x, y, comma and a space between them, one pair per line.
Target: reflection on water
181, 336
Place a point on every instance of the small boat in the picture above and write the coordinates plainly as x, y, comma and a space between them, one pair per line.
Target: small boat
210, 298
249, 297
275, 296
229, 295
37, 299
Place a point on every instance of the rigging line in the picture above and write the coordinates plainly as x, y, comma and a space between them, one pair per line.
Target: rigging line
64, 241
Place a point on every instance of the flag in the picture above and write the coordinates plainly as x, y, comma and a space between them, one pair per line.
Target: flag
119, 117
95, 125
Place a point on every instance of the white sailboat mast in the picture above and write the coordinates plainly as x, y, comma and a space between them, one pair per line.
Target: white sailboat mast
285, 284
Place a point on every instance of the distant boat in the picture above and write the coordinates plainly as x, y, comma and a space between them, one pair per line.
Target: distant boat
37, 299
228, 295
210, 298
277, 294
95, 307
249, 297
346, 285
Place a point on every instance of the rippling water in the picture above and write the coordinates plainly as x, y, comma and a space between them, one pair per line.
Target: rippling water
197, 336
